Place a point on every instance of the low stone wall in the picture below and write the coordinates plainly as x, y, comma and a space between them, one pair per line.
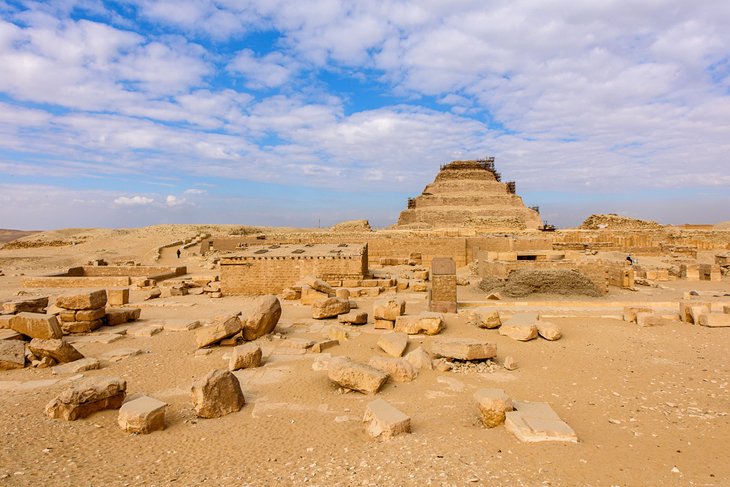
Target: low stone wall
81, 282
104, 276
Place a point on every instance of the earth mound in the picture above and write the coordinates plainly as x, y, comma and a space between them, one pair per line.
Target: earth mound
612, 221
523, 283
352, 226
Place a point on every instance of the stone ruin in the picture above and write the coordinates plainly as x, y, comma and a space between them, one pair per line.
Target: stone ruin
469, 194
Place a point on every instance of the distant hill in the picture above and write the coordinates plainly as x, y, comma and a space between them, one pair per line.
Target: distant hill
10, 235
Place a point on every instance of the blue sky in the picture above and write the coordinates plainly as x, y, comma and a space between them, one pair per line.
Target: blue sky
278, 112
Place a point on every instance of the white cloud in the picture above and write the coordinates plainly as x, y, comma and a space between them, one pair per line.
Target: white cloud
269, 71
136, 200
195, 191
173, 200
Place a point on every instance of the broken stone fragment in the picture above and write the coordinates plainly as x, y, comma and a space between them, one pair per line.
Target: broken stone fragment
80, 301
222, 327
245, 357
521, 327
355, 376
428, 322
77, 366
492, 404
420, 359
87, 397
484, 319
142, 415
384, 420
353, 317
388, 309
383, 324
217, 394
329, 308
548, 330
318, 285
31, 305
536, 421
394, 343
263, 318
399, 369
463, 349
58, 349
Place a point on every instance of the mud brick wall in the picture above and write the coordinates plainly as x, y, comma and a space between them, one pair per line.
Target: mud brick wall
270, 275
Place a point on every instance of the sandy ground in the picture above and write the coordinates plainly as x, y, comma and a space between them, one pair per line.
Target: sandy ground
650, 405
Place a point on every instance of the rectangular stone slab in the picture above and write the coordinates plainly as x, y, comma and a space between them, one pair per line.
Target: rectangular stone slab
537, 422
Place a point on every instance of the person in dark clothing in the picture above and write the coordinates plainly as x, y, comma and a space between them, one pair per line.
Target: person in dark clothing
178, 253
628, 259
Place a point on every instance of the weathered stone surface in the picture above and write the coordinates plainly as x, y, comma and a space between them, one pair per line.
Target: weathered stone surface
420, 359
120, 354
291, 293
339, 333
463, 349
153, 293
548, 330
142, 415
58, 349
714, 320
78, 301
66, 315
245, 357
181, 325
388, 309
118, 296
484, 319
686, 306
342, 293
217, 394
320, 347
356, 376
428, 322
311, 296
90, 314
399, 369
30, 305
7, 334
70, 327
653, 319
87, 397
384, 420
329, 308
77, 366
353, 317
119, 316
521, 326
631, 311
5, 322
144, 331
492, 404
510, 363
318, 285
418, 286
394, 344
383, 324
696, 311
223, 327
263, 318
12, 354
36, 325
536, 421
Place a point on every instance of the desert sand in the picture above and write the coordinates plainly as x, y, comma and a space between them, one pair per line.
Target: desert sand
649, 404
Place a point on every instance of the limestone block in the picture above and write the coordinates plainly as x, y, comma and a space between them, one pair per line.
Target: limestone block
651, 319
217, 394
428, 322
394, 343
67, 315
318, 285
145, 331
70, 327
484, 319
329, 308
181, 325
385, 421
536, 421
548, 330
631, 311
342, 293
142, 415
418, 286
353, 318
356, 376
7, 334
153, 293
697, 310
320, 347
714, 320
510, 363
463, 349
388, 308
291, 293
685, 309
30, 305
399, 369
420, 359
521, 326
492, 404
119, 354
12, 354
338, 333
383, 324
221, 328
725, 309
118, 296
401, 285
420, 275
58, 349
119, 316
36, 325
245, 356
90, 314
77, 301
77, 366
178, 291
350, 283
87, 397
5, 322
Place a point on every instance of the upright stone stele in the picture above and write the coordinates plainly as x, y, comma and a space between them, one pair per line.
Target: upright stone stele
443, 285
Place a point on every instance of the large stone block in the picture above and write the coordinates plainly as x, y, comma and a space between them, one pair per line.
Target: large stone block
245, 356
399, 369
311, 296
488, 319
118, 296
548, 330
631, 311
77, 366
90, 314
263, 318
521, 327
119, 316
492, 404
536, 422
714, 320
318, 285
30, 305
383, 324
428, 322
388, 309
356, 376
217, 394
70, 327
58, 349
142, 415
353, 317
463, 349
420, 359
36, 325
87, 397
394, 344
78, 301
223, 327
330, 308
384, 420
12, 354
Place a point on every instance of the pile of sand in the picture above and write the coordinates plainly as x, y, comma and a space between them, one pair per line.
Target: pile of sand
613, 221
523, 283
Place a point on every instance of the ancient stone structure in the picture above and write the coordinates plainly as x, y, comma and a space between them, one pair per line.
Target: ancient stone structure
443, 287
469, 194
